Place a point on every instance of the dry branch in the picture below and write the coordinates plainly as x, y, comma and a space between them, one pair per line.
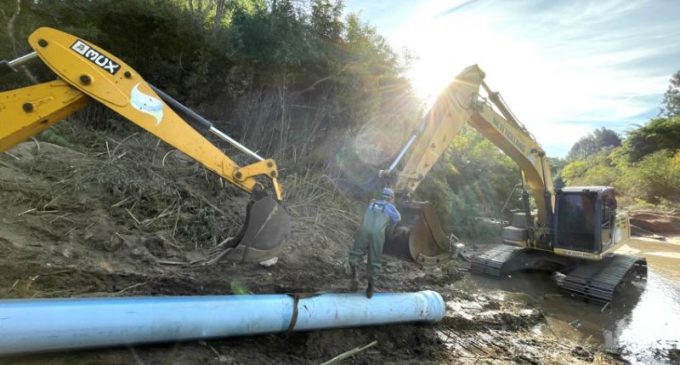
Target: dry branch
349, 353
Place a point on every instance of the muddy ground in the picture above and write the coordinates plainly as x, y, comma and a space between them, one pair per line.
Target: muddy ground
130, 217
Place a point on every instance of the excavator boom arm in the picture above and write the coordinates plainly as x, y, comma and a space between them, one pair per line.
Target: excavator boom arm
86, 72
110, 81
28, 111
461, 104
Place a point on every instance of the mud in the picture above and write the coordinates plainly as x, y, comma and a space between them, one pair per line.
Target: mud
122, 217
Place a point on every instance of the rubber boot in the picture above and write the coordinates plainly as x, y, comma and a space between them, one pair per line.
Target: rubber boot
370, 288
354, 284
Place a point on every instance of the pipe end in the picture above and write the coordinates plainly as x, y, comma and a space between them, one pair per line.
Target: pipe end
435, 305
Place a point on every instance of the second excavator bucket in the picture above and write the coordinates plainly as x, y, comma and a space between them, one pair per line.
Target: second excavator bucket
419, 235
266, 227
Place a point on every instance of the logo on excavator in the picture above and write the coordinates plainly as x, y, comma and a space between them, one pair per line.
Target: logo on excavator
95, 57
146, 104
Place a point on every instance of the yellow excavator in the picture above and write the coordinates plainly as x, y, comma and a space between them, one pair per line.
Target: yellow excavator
85, 73
574, 231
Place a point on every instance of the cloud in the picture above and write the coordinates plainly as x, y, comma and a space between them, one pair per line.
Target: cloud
565, 68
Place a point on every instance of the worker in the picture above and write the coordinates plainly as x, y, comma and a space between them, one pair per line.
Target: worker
379, 215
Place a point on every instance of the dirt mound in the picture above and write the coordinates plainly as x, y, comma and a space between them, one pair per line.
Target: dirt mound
656, 222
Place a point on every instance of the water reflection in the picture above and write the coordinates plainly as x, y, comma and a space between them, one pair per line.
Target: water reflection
653, 326
642, 323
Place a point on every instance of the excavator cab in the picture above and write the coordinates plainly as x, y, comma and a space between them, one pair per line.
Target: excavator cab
86, 73
585, 219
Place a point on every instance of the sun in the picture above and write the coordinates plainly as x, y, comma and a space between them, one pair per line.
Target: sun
442, 50
427, 83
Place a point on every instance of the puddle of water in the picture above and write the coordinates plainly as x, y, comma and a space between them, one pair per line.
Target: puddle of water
652, 327
643, 326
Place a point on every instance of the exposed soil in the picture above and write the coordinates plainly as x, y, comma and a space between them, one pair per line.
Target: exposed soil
125, 218
656, 222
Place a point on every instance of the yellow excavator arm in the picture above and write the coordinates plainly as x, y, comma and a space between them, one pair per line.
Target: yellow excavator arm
28, 111
459, 104
87, 72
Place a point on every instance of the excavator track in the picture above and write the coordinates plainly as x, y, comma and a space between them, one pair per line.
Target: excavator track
594, 281
492, 261
598, 280
505, 259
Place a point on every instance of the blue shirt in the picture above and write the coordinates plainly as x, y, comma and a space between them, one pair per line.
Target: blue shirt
387, 207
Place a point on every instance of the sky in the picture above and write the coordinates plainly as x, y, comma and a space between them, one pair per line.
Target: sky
563, 67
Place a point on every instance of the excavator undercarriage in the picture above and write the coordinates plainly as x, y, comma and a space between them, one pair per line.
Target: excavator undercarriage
595, 281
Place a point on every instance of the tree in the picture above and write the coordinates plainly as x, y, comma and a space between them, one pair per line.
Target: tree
598, 169
593, 143
658, 134
556, 165
473, 178
671, 98
655, 178
327, 19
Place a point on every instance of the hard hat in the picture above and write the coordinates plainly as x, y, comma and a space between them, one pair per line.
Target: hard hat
388, 193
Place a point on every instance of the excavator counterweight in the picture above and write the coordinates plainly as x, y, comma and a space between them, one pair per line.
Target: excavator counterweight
86, 72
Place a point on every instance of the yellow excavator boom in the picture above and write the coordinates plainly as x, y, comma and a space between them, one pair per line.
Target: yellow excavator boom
87, 72
459, 104
28, 111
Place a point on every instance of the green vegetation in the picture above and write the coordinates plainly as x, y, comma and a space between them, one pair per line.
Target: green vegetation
472, 179
289, 78
323, 92
671, 98
645, 167
658, 134
601, 138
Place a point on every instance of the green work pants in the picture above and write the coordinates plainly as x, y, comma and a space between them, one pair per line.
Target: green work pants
373, 241
371, 236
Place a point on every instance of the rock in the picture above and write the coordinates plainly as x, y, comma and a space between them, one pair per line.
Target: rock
271, 262
582, 354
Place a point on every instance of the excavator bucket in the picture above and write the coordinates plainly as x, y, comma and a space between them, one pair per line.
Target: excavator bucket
267, 226
419, 235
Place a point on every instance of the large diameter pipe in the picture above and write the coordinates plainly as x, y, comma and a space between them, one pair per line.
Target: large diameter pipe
60, 324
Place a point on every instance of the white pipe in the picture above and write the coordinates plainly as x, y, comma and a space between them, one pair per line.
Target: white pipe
33, 325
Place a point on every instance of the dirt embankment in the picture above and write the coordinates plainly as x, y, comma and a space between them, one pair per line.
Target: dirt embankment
129, 217
665, 224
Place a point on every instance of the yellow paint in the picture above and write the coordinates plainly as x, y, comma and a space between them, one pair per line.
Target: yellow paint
50, 102
460, 104
580, 254
86, 69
